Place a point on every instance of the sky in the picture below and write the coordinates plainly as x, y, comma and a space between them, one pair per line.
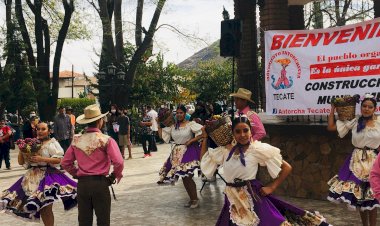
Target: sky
199, 18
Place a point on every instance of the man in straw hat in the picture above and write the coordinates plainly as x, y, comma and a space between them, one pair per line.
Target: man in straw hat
94, 152
241, 98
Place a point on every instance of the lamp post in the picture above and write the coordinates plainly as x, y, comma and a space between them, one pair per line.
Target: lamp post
112, 74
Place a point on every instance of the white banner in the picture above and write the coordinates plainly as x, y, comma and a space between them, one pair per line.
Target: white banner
305, 69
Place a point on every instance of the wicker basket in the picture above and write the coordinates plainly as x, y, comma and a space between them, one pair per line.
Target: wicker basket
220, 131
167, 119
346, 112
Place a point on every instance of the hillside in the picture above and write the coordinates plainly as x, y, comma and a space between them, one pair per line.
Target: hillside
209, 53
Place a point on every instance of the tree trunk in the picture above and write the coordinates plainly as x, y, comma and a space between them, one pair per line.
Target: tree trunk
118, 33
69, 9
296, 21
139, 14
108, 49
145, 44
24, 33
247, 73
318, 16
107, 55
376, 6
10, 32
273, 16
40, 85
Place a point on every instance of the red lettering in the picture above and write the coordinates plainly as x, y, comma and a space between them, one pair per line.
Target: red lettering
344, 34
359, 32
277, 41
312, 39
287, 41
375, 26
327, 40
297, 41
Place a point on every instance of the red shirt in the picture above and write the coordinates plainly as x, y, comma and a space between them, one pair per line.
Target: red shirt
4, 131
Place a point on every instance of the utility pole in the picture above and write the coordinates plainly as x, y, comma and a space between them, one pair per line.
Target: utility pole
72, 81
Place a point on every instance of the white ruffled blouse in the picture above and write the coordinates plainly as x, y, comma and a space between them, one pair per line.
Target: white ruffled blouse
368, 137
183, 134
52, 149
258, 153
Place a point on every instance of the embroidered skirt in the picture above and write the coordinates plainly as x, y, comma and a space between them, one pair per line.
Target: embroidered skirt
182, 162
39, 187
256, 210
351, 185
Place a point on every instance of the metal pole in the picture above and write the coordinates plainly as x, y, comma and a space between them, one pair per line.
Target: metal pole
72, 81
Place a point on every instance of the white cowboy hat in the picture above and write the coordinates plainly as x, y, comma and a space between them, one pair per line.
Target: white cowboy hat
244, 94
91, 114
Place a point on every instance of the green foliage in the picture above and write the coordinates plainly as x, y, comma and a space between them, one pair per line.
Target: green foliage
155, 83
17, 91
78, 104
211, 81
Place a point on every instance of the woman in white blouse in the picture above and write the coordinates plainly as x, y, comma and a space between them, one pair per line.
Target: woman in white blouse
247, 201
34, 193
351, 185
184, 157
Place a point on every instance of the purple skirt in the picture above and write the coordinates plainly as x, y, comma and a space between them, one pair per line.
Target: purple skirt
182, 162
25, 200
272, 211
347, 188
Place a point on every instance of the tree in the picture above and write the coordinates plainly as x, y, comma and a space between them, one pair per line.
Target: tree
376, 6
110, 52
15, 81
338, 12
156, 83
46, 88
211, 81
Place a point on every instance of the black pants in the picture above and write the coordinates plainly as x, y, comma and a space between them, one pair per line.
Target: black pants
65, 144
144, 139
94, 195
153, 141
4, 154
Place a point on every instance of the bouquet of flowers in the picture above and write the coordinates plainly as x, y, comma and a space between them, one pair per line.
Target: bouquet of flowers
219, 129
29, 145
345, 106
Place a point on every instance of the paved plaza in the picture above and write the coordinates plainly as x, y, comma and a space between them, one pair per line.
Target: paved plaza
142, 202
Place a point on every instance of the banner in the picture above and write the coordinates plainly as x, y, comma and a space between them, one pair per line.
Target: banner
305, 69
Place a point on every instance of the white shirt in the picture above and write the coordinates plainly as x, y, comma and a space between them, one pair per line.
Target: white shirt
257, 154
368, 137
182, 134
51, 149
153, 114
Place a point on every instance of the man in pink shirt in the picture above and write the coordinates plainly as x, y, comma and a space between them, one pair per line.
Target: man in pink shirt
94, 152
374, 177
241, 98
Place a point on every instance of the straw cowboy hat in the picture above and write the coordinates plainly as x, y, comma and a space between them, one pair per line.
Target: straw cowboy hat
244, 94
91, 114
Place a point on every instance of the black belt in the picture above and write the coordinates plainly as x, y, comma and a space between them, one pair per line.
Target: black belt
237, 184
241, 183
365, 149
92, 177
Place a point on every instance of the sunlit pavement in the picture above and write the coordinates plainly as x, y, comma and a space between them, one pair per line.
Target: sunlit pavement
140, 201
